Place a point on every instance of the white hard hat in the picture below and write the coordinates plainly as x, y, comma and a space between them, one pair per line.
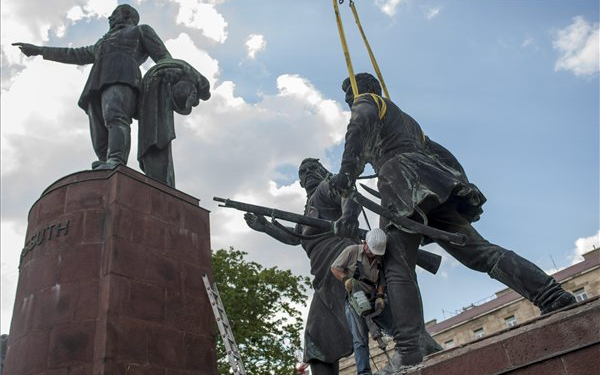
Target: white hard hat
376, 240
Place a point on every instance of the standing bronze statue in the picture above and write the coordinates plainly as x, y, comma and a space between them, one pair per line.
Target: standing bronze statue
421, 180
112, 94
327, 337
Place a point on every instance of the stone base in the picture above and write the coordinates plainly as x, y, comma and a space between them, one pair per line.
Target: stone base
563, 343
111, 281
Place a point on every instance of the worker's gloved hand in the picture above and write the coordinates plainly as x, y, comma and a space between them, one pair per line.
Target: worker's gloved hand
379, 303
256, 222
348, 284
342, 184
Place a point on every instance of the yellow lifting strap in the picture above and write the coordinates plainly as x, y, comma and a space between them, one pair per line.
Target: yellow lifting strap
381, 106
347, 52
345, 48
371, 55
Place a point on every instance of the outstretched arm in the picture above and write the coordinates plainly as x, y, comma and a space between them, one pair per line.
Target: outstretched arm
79, 56
260, 224
29, 49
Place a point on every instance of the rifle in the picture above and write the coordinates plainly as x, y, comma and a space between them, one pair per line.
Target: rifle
425, 259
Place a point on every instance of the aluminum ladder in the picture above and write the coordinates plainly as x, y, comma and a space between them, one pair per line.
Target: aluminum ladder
233, 353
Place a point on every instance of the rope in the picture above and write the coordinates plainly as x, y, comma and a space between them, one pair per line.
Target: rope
371, 55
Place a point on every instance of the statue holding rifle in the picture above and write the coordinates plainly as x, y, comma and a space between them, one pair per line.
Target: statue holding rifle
327, 336
114, 90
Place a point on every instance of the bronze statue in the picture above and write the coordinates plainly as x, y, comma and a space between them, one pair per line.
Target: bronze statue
327, 337
421, 180
114, 89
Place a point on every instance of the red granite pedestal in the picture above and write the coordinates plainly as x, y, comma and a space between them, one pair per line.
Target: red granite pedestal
111, 281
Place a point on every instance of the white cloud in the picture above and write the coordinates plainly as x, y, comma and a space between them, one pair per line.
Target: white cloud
184, 48
578, 45
388, 6
254, 44
431, 13
203, 16
583, 245
527, 42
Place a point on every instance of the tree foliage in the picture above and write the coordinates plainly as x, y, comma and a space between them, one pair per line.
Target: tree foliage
262, 308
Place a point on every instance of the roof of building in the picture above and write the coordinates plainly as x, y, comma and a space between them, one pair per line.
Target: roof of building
590, 261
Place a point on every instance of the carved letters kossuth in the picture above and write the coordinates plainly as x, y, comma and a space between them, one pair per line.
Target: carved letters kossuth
45, 234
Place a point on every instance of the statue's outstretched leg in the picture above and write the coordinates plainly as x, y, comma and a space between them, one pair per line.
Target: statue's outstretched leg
501, 264
531, 282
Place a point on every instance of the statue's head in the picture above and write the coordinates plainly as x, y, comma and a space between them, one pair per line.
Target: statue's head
124, 14
311, 172
366, 84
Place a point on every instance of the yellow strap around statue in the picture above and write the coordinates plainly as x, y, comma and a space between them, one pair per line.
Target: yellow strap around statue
381, 106
371, 55
345, 48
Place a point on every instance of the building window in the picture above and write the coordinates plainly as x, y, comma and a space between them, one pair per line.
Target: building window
479, 333
511, 321
449, 344
580, 294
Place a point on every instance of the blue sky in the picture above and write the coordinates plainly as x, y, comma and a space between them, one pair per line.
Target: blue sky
510, 87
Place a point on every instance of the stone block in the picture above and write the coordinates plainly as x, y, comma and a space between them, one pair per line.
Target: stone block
489, 359
198, 351
54, 306
80, 265
94, 226
562, 343
165, 347
127, 340
580, 362
84, 197
163, 271
71, 344
110, 281
146, 302
126, 259
87, 300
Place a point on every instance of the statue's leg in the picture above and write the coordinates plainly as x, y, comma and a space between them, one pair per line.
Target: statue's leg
427, 344
98, 131
118, 107
323, 368
404, 297
501, 264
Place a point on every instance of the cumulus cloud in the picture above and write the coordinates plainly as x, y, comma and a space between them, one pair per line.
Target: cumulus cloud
431, 13
527, 42
225, 147
388, 7
254, 44
578, 45
184, 48
583, 245
203, 16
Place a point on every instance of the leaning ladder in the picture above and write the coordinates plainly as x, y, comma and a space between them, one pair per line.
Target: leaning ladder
233, 353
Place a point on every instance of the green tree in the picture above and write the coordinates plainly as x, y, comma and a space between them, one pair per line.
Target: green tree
262, 308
